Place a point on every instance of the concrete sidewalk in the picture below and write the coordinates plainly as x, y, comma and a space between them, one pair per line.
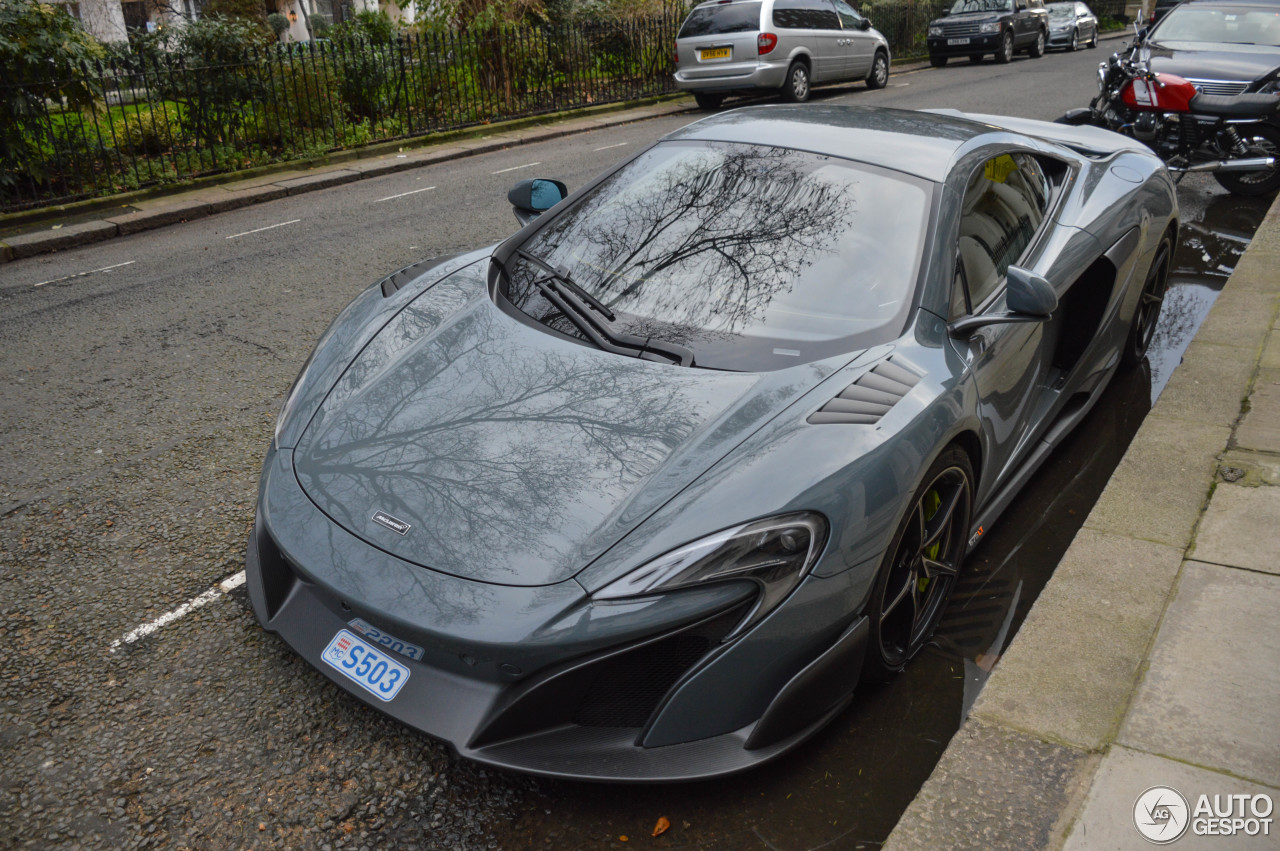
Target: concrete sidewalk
1152, 658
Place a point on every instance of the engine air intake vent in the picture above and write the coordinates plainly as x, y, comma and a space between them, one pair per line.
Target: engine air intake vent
629, 686
869, 398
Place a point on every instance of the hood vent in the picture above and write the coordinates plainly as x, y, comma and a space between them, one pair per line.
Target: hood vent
393, 282
869, 398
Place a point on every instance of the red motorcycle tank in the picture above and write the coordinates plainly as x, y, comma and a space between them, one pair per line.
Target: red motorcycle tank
1166, 93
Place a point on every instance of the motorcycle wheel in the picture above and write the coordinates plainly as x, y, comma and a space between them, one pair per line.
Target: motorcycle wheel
1262, 140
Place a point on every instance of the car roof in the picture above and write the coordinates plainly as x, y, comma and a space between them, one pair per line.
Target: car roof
917, 143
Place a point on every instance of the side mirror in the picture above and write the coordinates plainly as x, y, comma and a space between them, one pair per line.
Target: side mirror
531, 198
864, 24
1028, 293
1029, 297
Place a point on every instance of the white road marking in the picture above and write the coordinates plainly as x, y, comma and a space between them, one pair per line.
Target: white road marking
402, 194
900, 85
514, 168
82, 274
607, 147
229, 584
268, 227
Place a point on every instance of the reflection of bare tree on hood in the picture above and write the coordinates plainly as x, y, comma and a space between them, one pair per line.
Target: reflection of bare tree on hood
707, 248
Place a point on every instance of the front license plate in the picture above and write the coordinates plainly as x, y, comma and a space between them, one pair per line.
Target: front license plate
715, 53
373, 670
957, 41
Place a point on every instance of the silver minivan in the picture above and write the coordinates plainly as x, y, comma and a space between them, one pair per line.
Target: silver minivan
788, 46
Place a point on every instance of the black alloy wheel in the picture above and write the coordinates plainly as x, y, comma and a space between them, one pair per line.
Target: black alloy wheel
1147, 315
708, 102
796, 88
1005, 54
1262, 140
1075, 40
937, 61
1037, 49
878, 76
920, 567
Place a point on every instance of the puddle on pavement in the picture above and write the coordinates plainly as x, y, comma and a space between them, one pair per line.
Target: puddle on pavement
847, 787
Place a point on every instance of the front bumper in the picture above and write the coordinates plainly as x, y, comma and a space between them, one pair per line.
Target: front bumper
1059, 39
976, 44
735, 78
540, 680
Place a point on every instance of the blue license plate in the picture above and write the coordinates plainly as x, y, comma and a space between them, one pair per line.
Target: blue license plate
368, 667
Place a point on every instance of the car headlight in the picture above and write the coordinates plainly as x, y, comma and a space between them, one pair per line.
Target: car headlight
989, 27
774, 553
1271, 88
935, 30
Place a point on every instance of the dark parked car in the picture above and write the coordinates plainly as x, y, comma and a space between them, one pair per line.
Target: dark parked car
1223, 47
1072, 24
1002, 28
643, 491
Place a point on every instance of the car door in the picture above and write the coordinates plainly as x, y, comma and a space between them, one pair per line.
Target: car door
1003, 207
859, 46
813, 24
1088, 24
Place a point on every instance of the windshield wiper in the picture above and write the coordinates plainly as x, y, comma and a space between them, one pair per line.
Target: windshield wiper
573, 301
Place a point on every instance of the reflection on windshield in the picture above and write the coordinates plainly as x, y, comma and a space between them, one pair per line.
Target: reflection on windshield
754, 257
982, 6
1061, 10
1221, 25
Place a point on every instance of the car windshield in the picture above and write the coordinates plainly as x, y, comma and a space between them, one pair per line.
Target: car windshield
718, 20
1063, 11
1220, 24
754, 257
981, 6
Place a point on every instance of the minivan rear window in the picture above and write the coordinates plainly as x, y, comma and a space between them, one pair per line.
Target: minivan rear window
718, 20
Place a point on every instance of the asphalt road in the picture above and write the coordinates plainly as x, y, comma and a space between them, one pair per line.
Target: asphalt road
141, 377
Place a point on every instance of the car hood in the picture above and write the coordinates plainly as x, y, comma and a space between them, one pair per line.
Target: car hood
1223, 62
496, 451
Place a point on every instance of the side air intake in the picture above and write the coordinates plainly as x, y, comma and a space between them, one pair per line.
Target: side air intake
869, 398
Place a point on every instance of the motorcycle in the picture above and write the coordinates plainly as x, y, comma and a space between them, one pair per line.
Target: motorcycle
1237, 137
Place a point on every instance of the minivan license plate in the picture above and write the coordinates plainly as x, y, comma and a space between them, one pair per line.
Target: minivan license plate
372, 670
957, 41
715, 53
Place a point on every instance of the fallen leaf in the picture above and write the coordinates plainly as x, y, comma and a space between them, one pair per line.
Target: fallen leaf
661, 827
623, 838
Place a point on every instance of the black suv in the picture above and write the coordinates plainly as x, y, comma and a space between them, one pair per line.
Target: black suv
976, 27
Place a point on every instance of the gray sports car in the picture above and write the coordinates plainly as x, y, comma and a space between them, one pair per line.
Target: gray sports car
643, 492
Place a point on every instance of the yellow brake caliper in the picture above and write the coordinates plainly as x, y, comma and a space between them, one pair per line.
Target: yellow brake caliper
930, 503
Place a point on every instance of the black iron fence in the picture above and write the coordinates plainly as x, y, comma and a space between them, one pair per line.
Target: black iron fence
160, 119
149, 120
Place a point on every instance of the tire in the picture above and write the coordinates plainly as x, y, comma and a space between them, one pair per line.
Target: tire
796, 87
878, 76
1075, 41
975, 58
1036, 50
1005, 54
1147, 315
708, 102
1093, 42
937, 61
920, 567
1263, 141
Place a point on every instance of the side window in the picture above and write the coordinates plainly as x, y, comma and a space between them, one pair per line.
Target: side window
1004, 204
849, 19
805, 15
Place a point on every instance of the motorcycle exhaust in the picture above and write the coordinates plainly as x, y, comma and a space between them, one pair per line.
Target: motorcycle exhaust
1250, 164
